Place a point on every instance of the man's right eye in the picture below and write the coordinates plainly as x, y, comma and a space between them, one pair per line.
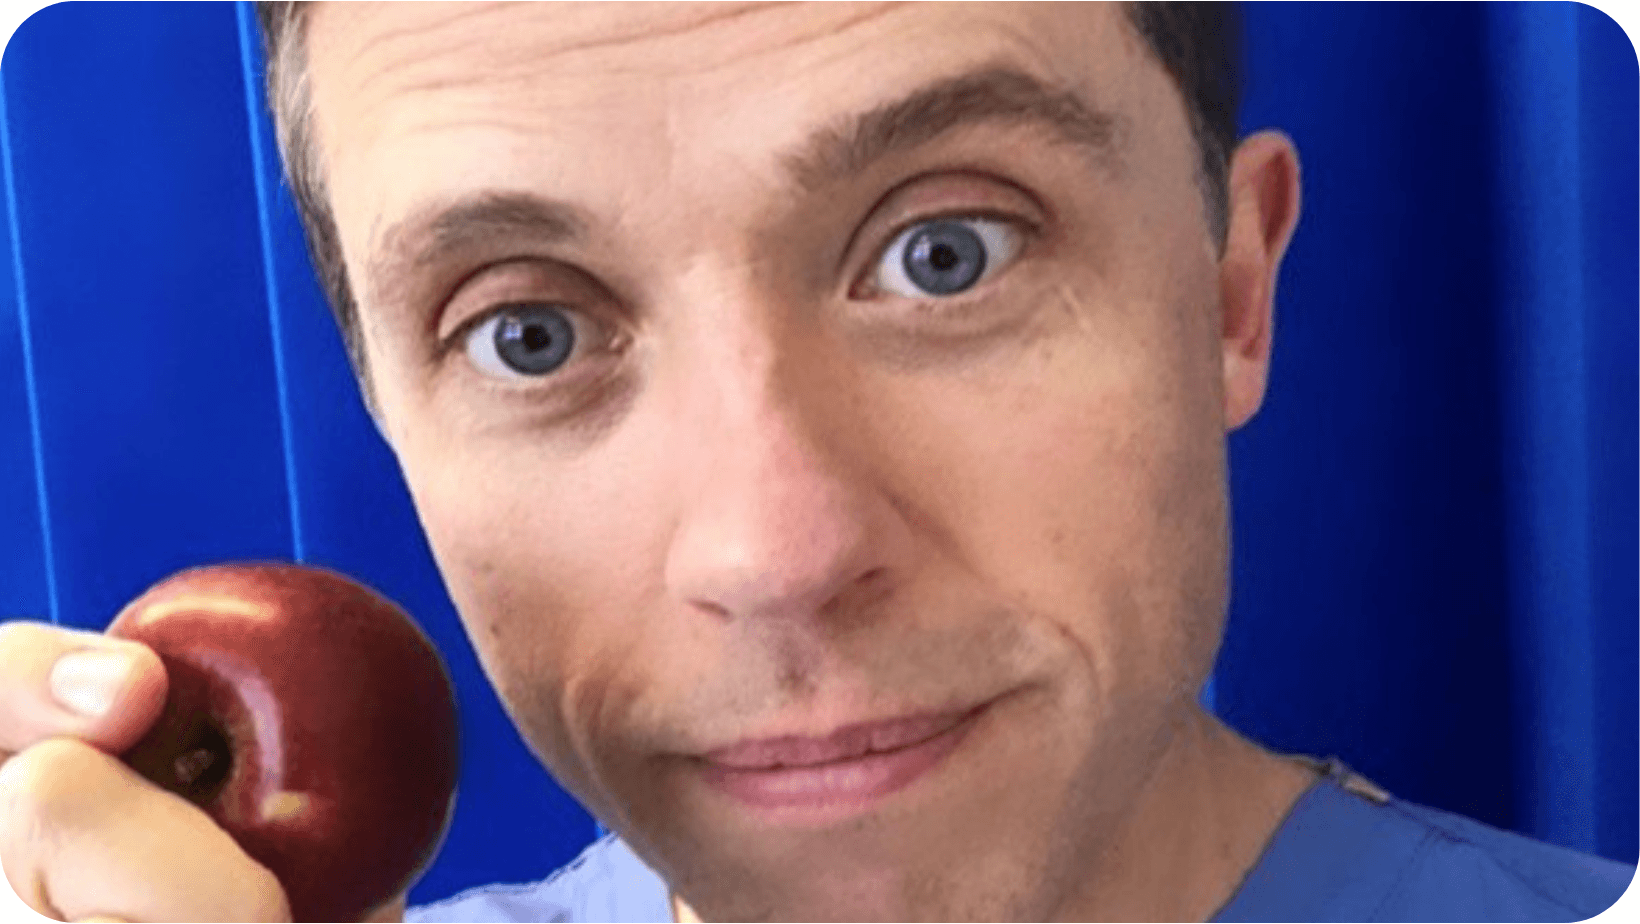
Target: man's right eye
525, 341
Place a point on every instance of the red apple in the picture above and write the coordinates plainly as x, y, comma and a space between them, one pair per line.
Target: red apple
310, 718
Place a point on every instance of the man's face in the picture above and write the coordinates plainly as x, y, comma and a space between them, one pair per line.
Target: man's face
762, 372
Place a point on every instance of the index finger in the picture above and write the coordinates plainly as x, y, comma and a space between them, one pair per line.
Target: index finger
57, 682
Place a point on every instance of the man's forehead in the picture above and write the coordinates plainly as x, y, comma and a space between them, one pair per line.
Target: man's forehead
996, 96
725, 30
836, 82
569, 55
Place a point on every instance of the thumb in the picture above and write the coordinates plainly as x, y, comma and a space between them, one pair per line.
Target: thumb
393, 911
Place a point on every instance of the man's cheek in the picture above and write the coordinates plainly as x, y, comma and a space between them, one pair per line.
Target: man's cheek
518, 604
569, 691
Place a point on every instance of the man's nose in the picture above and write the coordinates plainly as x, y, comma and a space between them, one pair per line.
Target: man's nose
780, 521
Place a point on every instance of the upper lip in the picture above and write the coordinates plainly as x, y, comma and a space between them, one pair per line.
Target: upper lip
846, 743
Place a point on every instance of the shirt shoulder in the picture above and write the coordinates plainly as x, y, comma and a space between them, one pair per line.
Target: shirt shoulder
607, 882
1348, 851
1473, 871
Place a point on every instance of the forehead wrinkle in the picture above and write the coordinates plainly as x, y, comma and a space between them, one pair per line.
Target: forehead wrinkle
725, 13
378, 46
774, 43
525, 62
998, 93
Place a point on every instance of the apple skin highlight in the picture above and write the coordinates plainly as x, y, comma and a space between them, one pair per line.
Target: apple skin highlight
311, 718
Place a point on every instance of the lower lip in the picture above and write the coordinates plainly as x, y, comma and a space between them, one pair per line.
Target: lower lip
839, 788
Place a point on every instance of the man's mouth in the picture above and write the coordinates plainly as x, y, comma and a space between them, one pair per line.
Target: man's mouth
848, 770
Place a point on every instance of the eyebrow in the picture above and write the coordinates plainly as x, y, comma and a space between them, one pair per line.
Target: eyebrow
996, 94
833, 154
430, 234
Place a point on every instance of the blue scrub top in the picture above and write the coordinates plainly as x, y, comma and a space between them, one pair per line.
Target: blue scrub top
1347, 851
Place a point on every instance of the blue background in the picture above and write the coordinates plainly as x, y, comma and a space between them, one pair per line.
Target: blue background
1435, 513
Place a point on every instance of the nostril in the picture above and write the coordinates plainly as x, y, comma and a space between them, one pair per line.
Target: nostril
712, 608
868, 587
859, 599
873, 584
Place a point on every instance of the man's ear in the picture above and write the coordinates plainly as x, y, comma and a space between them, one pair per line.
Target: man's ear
1264, 205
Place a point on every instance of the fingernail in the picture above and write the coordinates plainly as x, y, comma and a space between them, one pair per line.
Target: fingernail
88, 681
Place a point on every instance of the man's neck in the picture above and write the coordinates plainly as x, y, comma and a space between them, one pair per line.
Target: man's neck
1195, 830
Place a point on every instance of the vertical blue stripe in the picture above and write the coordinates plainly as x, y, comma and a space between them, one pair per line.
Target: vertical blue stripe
28, 359
248, 36
1542, 312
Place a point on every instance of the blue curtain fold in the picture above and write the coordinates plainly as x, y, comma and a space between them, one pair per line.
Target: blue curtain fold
1566, 304
1441, 587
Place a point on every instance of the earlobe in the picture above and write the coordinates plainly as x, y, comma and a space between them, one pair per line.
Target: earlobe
1264, 207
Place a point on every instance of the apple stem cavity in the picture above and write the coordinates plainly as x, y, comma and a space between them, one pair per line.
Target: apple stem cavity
189, 766
201, 768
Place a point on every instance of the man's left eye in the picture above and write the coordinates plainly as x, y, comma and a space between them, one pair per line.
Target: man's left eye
946, 256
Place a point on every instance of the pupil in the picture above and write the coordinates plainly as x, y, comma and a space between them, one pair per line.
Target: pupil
536, 337
943, 257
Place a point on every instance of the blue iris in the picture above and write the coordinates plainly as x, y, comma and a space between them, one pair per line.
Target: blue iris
534, 339
944, 257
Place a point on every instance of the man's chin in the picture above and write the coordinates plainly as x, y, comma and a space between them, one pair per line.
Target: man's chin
881, 837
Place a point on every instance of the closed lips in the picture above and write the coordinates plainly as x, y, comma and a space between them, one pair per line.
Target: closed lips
847, 743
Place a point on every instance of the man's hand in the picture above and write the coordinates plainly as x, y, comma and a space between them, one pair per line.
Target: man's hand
82, 836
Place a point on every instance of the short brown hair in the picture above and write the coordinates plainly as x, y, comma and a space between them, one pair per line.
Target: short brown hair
1198, 44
